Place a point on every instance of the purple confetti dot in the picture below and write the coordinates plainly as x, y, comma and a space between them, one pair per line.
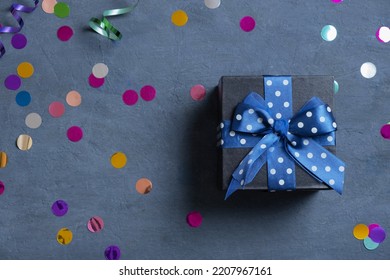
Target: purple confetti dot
59, 208
247, 23
112, 253
148, 93
13, 82
64, 33
130, 97
377, 234
95, 82
19, 41
385, 131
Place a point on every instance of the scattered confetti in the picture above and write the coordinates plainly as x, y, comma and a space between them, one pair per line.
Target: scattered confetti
64, 33
335, 86
118, 160
360, 231
95, 82
61, 10
377, 234
33, 120
73, 98
100, 70
19, 41
2, 187
368, 70
25, 70
247, 23
56, 109
383, 34
59, 208
148, 93
12, 82
130, 97
143, 186
198, 92
48, 6
95, 224
385, 131
329, 33
112, 253
179, 18
75, 133
194, 219
212, 4
371, 235
3, 159
23, 98
369, 244
24, 142
64, 236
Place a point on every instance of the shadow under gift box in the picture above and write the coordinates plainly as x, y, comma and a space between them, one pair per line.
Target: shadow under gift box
233, 89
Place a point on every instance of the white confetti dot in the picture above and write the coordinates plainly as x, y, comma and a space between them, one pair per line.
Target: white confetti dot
243, 141
238, 117
281, 182
300, 124
100, 70
309, 155
341, 168
232, 133
328, 109
314, 130
271, 121
278, 115
383, 34
212, 4
334, 124
280, 160
296, 154
272, 171
242, 182
263, 146
251, 111
260, 120
314, 168
270, 105
241, 171
323, 155
277, 93
309, 114
368, 70
289, 170
249, 127
306, 142
329, 33
250, 161
33, 120
286, 104
329, 138
322, 119
331, 182
269, 83
285, 82
327, 168
221, 125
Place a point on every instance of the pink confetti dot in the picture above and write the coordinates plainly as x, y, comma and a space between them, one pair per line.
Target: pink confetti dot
64, 33
198, 92
194, 219
148, 93
247, 23
56, 109
95, 82
130, 97
385, 131
75, 133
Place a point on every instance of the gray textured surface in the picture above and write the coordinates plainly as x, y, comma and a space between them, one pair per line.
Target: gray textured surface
171, 140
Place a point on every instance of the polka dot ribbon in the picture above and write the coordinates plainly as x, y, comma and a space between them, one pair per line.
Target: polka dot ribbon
281, 139
15, 9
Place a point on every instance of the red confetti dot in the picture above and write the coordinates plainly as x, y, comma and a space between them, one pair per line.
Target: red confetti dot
75, 133
247, 23
56, 109
194, 219
385, 131
198, 92
148, 93
130, 97
64, 33
95, 82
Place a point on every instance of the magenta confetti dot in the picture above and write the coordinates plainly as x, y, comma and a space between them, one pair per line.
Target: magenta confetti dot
377, 234
64, 33
75, 133
194, 219
337, 1
19, 41
385, 131
247, 23
95, 82
148, 93
2, 187
372, 226
130, 97
13, 82
198, 92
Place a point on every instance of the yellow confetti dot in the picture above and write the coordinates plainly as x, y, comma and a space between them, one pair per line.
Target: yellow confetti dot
360, 231
118, 160
179, 18
25, 70
64, 236
3, 159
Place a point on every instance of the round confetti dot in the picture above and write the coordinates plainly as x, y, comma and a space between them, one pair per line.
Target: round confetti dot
61, 10
33, 120
75, 133
368, 70
100, 70
2, 187
64, 33
372, 226
95, 224
360, 231
369, 244
130, 97
19, 41
385, 131
377, 234
329, 33
64, 236
95, 82
148, 93
383, 34
23, 98
118, 160
59, 208
48, 6
3, 159
112, 253
25, 70
194, 219
198, 92
56, 109
212, 4
143, 186
335, 87
12, 82
73, 98
24, 142
247, 23
337, 1
179, 18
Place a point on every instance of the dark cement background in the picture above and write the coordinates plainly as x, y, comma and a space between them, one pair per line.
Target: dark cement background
171, 140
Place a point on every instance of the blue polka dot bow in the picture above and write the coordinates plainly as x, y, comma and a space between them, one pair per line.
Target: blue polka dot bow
281, 139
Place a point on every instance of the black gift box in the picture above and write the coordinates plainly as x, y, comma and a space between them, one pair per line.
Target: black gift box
233, 90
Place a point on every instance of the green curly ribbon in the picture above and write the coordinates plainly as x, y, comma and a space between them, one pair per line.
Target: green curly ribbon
105, 28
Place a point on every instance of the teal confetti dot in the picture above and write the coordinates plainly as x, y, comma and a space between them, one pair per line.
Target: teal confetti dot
329, 33
369, 244
335, 86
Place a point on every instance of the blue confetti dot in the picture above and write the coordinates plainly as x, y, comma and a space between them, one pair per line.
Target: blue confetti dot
23, 98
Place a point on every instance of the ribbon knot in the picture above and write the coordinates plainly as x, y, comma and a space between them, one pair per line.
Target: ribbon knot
281, 128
